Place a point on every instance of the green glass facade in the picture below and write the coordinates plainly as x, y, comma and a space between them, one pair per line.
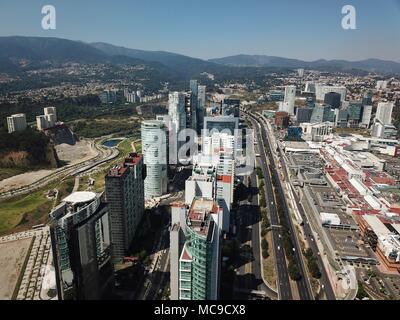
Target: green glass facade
195, 274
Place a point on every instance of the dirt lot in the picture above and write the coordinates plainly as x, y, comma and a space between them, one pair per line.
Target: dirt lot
23, 179
79, 152
12, 257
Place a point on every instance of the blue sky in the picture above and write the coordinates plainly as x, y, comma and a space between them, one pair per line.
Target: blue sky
307, 29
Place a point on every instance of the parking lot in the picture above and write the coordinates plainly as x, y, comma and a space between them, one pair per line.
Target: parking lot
12, 257
348, 243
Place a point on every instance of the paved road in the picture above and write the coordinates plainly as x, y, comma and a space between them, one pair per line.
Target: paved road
284, 289
324, 280
248, 224
264, 145
153, 284
326, 288
257, 263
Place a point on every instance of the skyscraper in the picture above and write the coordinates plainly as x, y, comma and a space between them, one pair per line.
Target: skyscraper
213, 174
201, 107
322, 113
289, 100
194, 96
310, 87
303, 114
16, 122
176, 110
322, 90
225, 124
367, 98
354, 111
80, 237
333, 99
384, 112
366, 116
155, 152
124, 186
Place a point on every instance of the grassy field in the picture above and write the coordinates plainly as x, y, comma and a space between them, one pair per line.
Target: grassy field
23, 212
269, 265
9, 172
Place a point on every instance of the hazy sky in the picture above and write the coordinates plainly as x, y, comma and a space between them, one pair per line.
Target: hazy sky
304, 29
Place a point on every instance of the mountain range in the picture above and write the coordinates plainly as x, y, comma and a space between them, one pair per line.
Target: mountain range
20, 53
369, 65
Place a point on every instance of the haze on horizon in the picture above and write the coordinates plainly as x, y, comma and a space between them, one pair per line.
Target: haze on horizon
307, 30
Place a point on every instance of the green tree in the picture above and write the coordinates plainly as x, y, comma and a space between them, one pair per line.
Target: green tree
293, 270
259, 173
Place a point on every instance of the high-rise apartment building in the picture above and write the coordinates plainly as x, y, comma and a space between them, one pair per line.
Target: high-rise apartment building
81, 244
215, 168
16, 122
195, 250
47, 120
124, 188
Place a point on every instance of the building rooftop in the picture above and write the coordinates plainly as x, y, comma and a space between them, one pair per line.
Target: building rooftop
199, 215
133, 159
119, 169
377, 225
80, 197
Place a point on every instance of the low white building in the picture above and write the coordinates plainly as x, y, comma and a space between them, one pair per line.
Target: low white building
330, 218
317, 132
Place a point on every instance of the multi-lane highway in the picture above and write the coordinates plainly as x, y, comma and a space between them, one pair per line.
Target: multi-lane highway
284, 283
284, 289
326, 286
248, 223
